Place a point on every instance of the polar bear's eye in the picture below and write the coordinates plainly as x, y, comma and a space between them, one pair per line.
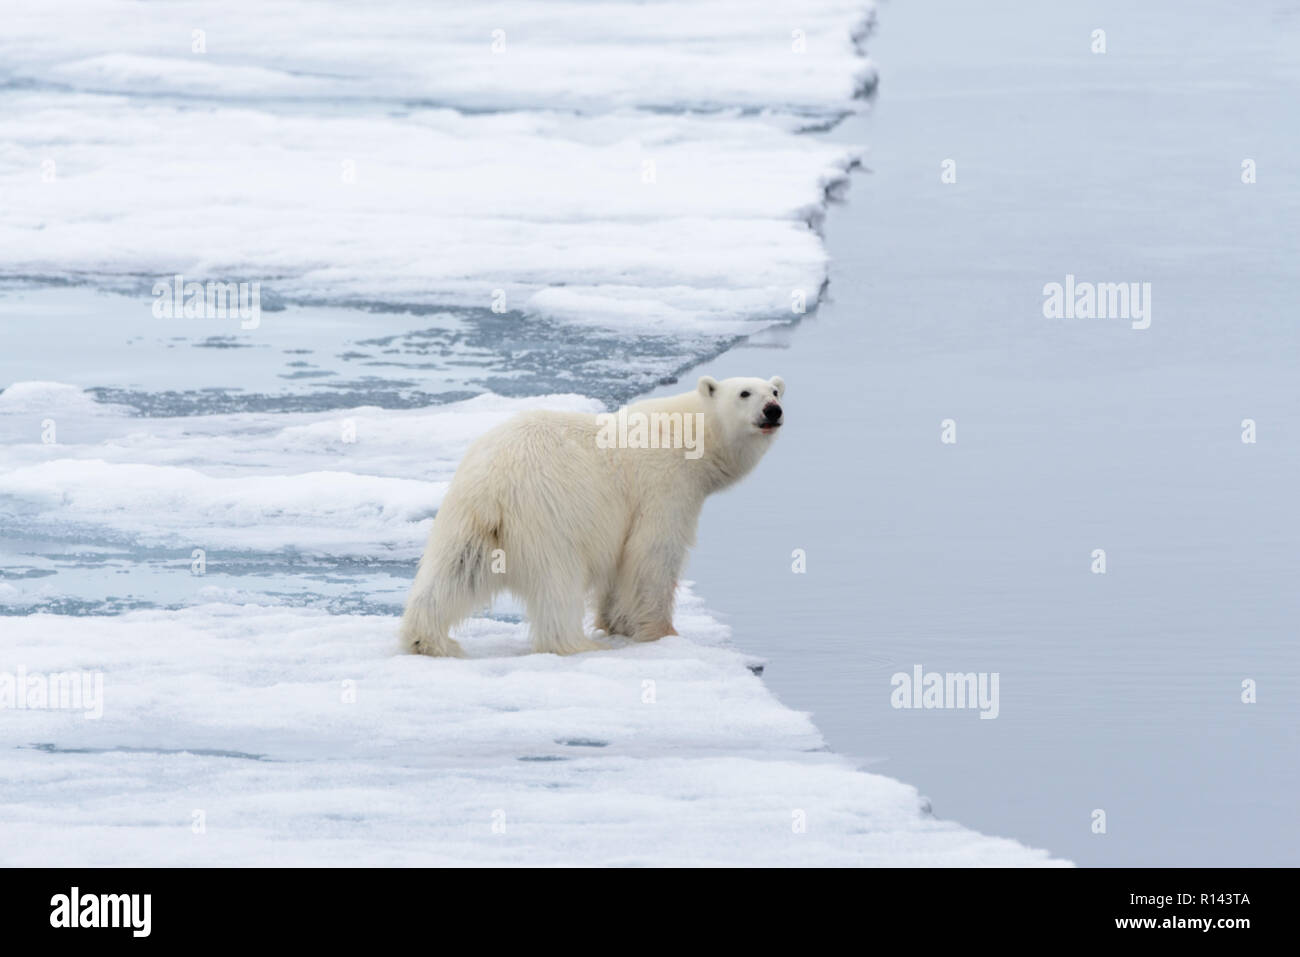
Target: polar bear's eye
744, 395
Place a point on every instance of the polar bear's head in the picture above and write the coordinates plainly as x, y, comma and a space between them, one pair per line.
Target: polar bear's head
742, 408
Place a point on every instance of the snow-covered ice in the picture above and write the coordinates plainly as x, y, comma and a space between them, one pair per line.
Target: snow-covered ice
444, 208
294, 736
503, 55
560, 169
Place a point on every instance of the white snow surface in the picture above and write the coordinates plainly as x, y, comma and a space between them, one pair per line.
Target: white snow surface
666, 753
563, 171
502, 55
240, 481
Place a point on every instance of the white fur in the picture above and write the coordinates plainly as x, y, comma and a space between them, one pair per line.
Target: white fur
570, 520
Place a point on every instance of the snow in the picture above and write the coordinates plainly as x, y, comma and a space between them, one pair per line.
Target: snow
442, 210
660, 754
536, 171
255, 481
591, 56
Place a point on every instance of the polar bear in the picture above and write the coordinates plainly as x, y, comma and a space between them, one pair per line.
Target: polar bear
559, 507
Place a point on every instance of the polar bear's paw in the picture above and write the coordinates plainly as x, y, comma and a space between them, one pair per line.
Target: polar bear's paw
572, 646
654, 632
446, 648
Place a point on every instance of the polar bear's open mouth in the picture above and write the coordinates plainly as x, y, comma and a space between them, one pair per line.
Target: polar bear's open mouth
767, 428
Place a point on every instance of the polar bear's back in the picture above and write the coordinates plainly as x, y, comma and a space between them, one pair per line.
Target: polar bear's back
540, 483
532, 445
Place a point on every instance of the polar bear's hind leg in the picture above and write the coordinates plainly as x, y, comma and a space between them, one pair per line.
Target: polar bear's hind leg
453, 581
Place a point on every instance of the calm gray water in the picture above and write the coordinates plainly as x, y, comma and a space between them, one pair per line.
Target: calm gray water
1118, 692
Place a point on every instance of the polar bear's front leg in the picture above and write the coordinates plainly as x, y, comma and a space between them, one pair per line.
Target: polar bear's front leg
555, 607
646, 588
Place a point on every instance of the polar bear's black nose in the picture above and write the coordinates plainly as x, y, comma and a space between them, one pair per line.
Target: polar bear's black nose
772, 412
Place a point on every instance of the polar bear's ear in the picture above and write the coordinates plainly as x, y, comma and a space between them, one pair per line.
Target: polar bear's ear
708, 386
777, 381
